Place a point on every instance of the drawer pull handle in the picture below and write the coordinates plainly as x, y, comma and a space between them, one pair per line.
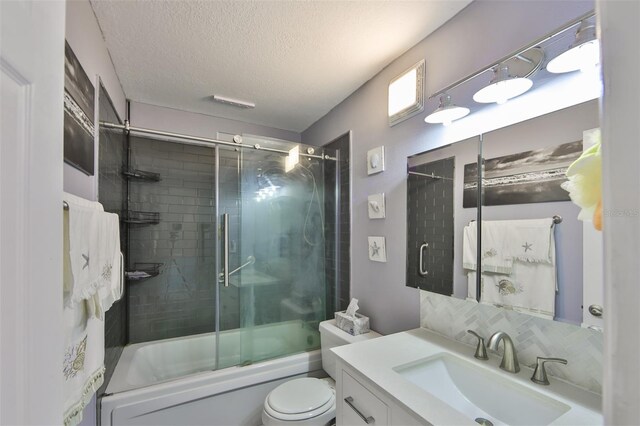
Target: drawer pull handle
368, 420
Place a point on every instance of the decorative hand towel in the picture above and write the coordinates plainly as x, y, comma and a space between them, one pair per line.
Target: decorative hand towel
495, 257
530, 288
72, 202
531, 240
83, 362
469, 245
92, 273
94, 256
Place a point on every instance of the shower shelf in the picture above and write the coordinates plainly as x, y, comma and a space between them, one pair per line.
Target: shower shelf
141, 218
143, 271
135, 174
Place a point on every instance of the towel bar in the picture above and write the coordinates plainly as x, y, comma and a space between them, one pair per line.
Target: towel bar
556, 219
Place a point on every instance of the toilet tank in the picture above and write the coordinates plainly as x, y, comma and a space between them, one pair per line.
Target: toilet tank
332, 337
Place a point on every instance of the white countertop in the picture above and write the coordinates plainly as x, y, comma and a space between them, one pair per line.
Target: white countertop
376, 358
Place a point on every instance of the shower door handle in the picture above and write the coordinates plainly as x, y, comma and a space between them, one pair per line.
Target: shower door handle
421, 268
225, 243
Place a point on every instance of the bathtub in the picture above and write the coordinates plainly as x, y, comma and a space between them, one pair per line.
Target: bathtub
172, 381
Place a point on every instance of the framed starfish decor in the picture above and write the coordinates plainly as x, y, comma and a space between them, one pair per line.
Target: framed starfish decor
377, 249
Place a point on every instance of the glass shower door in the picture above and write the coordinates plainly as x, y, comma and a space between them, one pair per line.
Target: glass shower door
275, 294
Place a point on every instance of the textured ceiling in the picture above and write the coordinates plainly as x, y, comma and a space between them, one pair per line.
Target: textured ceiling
295, 59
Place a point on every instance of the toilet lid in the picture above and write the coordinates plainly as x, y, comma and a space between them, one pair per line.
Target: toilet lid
300, 396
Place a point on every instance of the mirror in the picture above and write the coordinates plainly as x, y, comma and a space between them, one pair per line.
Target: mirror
436, 219
522, 168
522, 248
531, 262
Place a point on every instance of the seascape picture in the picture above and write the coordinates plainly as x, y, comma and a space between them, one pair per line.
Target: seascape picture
526, 177
79, 97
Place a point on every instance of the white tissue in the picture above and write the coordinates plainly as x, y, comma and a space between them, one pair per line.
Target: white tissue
352, 308
352, 322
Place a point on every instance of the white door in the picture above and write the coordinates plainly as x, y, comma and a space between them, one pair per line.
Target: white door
31, 149
592, 261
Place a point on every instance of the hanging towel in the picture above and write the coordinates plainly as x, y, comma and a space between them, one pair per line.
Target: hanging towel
469, 247
495, 257
92, 271
530, 288
519, 267
83, 362
531, 240
72, 203
93, 256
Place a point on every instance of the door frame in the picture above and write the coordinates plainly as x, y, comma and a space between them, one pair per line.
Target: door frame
31, 163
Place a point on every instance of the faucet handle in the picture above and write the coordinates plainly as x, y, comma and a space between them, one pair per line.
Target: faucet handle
481, 350
540, 373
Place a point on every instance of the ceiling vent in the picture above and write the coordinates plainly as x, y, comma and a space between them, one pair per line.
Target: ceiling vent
234, 102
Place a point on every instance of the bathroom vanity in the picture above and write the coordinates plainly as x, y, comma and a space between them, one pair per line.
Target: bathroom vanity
418, 377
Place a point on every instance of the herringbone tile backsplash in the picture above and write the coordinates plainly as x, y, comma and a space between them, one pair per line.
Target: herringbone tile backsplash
532, 336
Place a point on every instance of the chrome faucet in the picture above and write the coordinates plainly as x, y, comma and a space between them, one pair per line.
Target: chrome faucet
509, 359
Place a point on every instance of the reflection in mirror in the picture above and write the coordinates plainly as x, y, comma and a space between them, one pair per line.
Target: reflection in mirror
556, 269
529, 263
435, 218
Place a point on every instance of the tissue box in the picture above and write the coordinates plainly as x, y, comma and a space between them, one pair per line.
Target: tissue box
353, 326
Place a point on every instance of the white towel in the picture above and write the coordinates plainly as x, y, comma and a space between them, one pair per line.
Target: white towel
469, 247
83, 365
91, 285
531, 289
93, 256
495, 257
528, 247
531, 240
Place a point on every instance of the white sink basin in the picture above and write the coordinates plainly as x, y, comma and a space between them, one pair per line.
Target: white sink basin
480, 393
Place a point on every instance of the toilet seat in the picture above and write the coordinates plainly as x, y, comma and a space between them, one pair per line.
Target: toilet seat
300, 399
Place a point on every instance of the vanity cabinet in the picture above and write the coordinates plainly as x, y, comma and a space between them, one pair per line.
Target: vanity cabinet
359, 401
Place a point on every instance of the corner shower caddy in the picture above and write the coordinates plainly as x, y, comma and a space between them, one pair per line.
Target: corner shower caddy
150, 269
141, 218
141, 175
145, 270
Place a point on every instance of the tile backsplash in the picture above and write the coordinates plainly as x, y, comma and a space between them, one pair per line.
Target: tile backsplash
532, 336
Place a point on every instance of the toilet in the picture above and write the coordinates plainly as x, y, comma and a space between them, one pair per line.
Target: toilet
309, 401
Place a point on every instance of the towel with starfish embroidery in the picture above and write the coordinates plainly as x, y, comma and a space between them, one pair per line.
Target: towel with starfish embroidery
83, 362
495, 257
531, 240
92, 242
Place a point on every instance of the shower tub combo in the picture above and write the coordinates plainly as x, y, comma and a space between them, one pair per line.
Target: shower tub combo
228, 249
163, 383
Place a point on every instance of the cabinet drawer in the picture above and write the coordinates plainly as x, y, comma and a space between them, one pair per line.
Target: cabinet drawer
360, 406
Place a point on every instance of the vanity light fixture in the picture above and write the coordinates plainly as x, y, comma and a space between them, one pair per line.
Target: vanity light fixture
502, 87
447, 112
583, 54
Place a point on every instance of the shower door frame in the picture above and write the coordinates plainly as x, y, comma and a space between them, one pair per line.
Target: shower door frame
221, 229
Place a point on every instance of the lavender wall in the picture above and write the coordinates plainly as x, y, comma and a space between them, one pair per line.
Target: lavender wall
195, 124
477, 36
85, 38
